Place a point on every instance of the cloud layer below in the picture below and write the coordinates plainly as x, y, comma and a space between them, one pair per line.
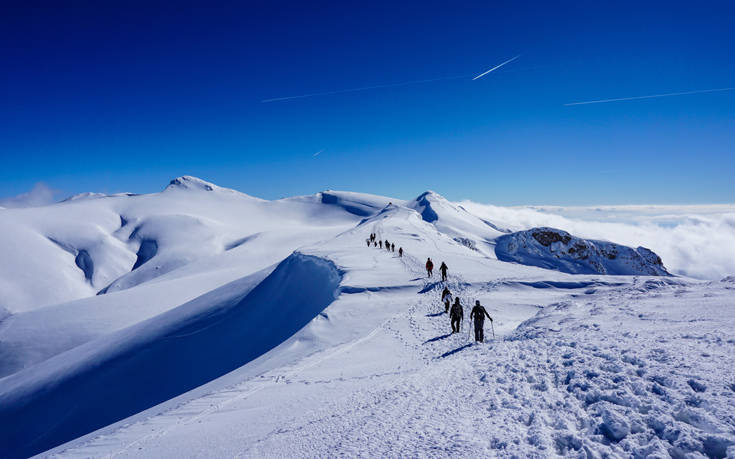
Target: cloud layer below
40, 195
696, 241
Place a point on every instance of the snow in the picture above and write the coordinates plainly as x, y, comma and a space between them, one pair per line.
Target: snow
556, 249
693, 240
253, 328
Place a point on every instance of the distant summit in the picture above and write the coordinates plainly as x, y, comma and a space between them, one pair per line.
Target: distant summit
188, 182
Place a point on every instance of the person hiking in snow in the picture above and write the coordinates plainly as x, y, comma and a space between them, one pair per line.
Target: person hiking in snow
392, 247
479, 313
368, 242
429, 266
387, 244
380, 243
456, 314
446, 298
443, 268
400, 251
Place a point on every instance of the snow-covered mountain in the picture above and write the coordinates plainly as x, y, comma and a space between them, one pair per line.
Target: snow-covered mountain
200, 321
556, 249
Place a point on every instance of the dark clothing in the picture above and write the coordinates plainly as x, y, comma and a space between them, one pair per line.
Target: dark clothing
392, 247
479, 332
446, 305
429, 267
479, 313
380, 243
445, 292
443, 268
400, 252
456, 324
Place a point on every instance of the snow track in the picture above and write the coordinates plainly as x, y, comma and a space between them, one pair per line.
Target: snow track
346, 351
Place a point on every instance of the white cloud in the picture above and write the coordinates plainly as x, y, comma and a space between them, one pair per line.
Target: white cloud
696, 241
40, 195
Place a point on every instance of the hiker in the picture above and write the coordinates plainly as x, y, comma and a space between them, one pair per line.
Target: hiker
387, 245
380, 243
368, 242
456, 315
443, 268
429, 266
392, 247
400, 251
445, 293
479, 313
375, 244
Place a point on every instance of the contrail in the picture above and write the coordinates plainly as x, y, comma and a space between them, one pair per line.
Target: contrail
364, 88
496, 67
670, 94
317, 153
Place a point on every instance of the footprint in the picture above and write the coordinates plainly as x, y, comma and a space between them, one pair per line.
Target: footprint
696, 386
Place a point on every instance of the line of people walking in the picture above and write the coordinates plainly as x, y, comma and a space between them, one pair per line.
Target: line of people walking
390, 246
455, 310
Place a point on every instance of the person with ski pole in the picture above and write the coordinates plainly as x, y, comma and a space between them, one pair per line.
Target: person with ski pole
400, 251
456, 315
479, 313
443, 268
429, 266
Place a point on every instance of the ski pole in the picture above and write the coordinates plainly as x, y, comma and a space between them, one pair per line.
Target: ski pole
493, 328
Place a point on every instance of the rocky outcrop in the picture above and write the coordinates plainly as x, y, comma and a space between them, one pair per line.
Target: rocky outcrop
556, 249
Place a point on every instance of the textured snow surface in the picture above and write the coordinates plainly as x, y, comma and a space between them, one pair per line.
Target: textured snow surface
202, 322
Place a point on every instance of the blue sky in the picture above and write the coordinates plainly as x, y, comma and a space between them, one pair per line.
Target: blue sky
124, 98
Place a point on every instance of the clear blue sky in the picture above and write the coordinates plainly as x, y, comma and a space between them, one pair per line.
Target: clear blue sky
123, 98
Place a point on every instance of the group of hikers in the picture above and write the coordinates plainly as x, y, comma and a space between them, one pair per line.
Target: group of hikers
430, 269
455, 310
456, 315
378, 243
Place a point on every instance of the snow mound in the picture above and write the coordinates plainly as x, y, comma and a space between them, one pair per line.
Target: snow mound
362, 205
455, 221
187, 182
556, 249
92, 195
160, 358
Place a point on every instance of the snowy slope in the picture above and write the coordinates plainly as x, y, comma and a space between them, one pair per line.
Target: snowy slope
454, 220
590, 366
256, 328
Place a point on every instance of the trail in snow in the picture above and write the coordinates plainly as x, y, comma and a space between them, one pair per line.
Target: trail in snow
583, 365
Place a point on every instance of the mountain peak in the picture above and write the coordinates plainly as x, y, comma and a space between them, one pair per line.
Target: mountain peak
188, 182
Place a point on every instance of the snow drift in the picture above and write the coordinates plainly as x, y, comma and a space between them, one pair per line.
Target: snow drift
556, 249
108, 379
